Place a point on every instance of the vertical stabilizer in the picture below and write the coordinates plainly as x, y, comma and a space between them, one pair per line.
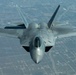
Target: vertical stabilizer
22, 16
53, 16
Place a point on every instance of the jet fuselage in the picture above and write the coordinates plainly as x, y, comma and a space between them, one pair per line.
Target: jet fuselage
37, 41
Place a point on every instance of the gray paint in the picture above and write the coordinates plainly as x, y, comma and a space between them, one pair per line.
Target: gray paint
60, 60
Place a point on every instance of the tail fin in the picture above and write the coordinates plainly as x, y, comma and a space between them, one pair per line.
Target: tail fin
53, 16
22, 16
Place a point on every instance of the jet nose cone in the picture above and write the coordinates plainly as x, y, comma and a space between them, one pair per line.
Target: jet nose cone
37, 60
37, 55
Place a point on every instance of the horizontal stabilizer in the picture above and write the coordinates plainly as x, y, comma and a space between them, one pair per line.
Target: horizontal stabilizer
53, 16
21, 26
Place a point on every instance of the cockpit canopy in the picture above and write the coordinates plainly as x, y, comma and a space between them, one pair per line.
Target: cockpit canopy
37, 42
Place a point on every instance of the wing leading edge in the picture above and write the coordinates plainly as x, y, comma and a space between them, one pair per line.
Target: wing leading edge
11, 32
62, 32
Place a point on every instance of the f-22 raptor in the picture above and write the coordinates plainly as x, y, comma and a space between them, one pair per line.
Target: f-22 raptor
38, 38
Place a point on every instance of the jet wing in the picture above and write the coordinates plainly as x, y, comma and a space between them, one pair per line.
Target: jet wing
61, 31
11, 32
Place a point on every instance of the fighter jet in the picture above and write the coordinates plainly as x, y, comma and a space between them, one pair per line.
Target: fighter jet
38, 38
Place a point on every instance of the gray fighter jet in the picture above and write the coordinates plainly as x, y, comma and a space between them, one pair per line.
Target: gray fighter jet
38, 38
